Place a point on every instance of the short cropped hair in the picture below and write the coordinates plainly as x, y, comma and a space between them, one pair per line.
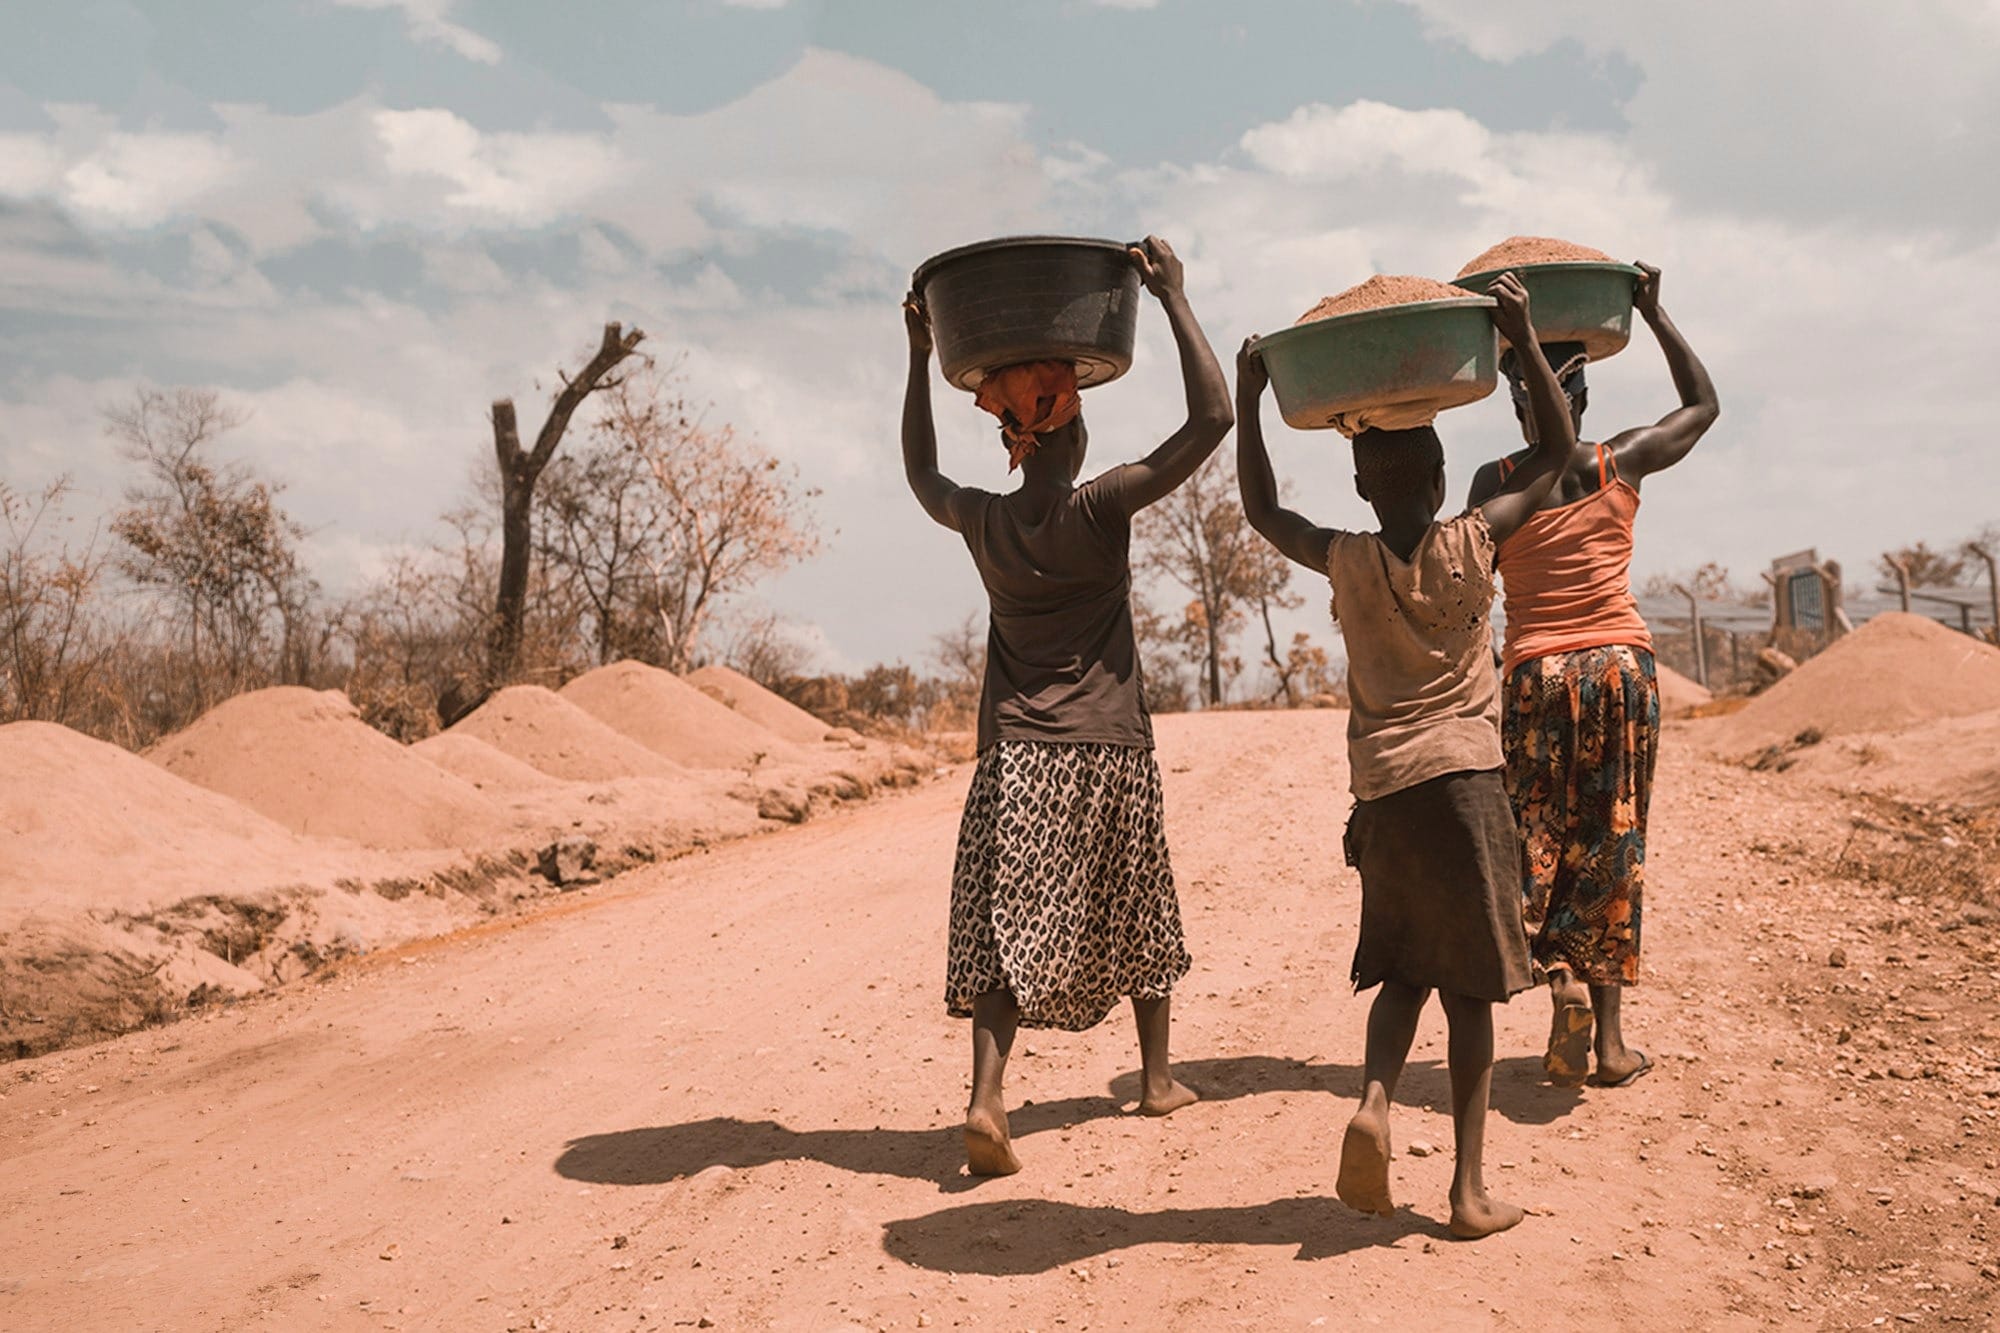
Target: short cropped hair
1394, 464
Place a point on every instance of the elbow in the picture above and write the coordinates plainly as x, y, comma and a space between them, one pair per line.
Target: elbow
1258, 512
1215, 421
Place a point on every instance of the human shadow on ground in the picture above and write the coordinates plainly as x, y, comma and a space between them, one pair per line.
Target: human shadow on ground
1017, 1237
1522, 1093
658, 1154
662, 1153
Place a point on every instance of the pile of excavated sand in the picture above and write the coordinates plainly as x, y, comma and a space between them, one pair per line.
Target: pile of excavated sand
306, 759
1677, 693
771, 711
486, 768
546, 731
671, 717
1953, 760
1384, 289
1898, 670
1518, 250
88, 826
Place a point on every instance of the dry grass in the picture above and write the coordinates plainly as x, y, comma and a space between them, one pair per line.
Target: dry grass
1939, 853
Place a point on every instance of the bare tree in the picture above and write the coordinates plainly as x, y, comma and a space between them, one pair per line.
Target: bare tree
1197, 540
49, 638
1711, 582
960, 656
210, 540
520, 470
769, 651
1928, 568
602, 521
733, 513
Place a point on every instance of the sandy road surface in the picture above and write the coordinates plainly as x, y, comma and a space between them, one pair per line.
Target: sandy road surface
724, 1090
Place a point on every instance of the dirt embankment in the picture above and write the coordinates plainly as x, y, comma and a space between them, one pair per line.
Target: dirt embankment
1678, 693
1902, 706
1897, 670
672, 717
773, 712
307, 760
278, 833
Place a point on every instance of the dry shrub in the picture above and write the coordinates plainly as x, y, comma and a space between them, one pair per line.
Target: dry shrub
1933, 852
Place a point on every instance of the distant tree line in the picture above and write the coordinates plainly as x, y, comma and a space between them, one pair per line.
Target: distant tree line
196, 588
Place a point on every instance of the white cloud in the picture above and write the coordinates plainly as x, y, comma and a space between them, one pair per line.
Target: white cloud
1367, 136
373, 408
428, 21
503, 179
755, 4
30, 166
109, 177
1128, 4
137, 180
1800, 108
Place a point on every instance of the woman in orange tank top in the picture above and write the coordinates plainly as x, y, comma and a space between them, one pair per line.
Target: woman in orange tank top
1581, 716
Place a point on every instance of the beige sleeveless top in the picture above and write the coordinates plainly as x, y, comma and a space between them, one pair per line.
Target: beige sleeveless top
1424, 699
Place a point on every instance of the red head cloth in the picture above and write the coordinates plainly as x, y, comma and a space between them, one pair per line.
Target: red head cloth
1029, 399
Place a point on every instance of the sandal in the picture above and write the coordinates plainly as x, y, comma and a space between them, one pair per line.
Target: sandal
1567, 1061
1645, 1068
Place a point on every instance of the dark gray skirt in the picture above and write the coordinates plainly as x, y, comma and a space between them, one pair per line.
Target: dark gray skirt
1440, 867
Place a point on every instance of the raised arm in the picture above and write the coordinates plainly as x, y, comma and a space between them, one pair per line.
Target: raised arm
934, 490
1292, 533
1555, 435
1648, 449
1208, 417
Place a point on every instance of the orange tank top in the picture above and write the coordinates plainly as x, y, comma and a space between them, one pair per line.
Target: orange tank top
1568, 574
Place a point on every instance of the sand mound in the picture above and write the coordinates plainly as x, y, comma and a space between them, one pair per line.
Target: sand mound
1677, 692
88, 825
1898, 670
306, 759
1954, 760
671, 717
480, 764
546, 731
1384, 289
1517, 250
771, 711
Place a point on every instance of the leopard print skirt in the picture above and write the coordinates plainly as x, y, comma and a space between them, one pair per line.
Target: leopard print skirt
1062, 892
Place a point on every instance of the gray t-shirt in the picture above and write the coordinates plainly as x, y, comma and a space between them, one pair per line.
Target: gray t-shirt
1061, 662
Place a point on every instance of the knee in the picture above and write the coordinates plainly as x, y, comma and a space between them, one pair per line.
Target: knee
1461, 1009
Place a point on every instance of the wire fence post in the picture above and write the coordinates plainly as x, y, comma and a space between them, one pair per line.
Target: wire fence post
1700, 643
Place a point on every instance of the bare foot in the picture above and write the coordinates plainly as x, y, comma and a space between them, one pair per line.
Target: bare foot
1567, 1060
1620, 1069
1479, 1215
1177, 1095
1363, 1184
988, 1149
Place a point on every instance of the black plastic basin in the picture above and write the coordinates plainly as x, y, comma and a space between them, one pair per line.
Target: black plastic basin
1032, 298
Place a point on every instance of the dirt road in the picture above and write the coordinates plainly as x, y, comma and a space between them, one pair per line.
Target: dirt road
722, 1093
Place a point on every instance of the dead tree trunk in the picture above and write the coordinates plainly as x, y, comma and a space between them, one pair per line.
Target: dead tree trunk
519, 471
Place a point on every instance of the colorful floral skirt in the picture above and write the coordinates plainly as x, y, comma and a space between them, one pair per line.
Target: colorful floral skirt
1582, 731
1062, 892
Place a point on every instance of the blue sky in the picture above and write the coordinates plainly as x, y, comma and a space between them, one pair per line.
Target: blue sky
364, 219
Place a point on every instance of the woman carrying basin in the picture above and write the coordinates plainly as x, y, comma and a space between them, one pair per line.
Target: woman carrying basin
1063, 896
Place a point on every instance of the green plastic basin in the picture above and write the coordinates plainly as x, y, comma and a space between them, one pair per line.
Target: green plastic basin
1436, 354
1581, 302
